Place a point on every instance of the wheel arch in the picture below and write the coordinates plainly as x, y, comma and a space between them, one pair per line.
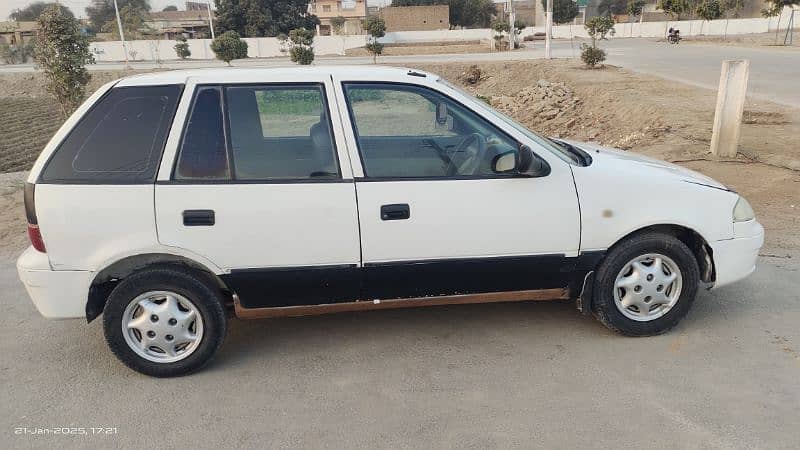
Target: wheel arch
694, 240
107, 278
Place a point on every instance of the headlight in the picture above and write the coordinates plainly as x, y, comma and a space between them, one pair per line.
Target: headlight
743, 212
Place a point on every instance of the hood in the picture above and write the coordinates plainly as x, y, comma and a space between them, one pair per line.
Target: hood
599, 153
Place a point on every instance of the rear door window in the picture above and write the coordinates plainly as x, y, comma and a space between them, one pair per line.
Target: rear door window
119, 141
280, 132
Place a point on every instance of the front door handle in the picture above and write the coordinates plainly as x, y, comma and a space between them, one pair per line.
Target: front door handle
198, 218
399, 211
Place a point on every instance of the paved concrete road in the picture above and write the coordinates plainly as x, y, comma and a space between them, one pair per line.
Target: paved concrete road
477, 376
774, 72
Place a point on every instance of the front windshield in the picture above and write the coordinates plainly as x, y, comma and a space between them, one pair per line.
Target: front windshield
553, 147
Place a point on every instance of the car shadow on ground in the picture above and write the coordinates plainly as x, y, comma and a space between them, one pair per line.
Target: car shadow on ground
431, 328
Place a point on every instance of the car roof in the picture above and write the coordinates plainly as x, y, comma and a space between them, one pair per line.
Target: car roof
224, 74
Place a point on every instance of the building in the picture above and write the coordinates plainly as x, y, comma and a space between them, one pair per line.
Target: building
17, 33
197, 6
528, 12
354, 12
191, 24
416, 18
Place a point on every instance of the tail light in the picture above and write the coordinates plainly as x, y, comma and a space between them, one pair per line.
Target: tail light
34, 234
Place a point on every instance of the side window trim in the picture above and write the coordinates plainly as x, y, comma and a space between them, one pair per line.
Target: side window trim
232, 179
354, 127
185, 126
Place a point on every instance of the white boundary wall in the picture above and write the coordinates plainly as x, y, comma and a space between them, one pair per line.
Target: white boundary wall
151, 50
335, 45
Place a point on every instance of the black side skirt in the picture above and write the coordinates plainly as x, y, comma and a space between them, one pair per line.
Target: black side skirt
316, 285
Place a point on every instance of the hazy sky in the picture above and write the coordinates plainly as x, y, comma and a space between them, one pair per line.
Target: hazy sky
77, 6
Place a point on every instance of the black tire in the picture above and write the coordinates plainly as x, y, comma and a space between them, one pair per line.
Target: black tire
196, 287
603, 304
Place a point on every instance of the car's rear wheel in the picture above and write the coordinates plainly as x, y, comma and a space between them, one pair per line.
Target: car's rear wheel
646, 285
165, 321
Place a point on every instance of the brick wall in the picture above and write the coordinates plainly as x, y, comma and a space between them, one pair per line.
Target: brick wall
416, 18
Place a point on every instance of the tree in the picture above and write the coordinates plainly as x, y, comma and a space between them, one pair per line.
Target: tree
133, 24
61, 52
101, 12
709, 9
471, 13
229, 46
775, 8
256, 18
730, 8
674, 8
500, 28
375, 28
338, 24
564, 11
170, 8
31, 12
182, 48
612, 7
597, 28
16, 54
635, 7
302, 51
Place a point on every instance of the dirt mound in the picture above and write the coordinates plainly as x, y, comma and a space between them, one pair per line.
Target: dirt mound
545, 106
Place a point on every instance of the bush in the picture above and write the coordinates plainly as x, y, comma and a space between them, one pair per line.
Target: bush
182, 48
16, 54
472, 75
302, 55
591, 55
302, 51
375, 28
229, 46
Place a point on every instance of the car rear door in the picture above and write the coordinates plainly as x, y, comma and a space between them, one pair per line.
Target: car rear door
262, 187
427, 229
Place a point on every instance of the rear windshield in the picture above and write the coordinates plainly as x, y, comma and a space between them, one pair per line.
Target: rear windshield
120, 140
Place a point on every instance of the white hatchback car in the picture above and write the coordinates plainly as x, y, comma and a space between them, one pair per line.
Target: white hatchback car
168, 197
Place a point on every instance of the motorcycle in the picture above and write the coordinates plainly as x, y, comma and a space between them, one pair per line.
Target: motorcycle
674, 36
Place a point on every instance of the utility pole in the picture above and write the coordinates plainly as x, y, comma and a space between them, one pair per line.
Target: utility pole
121, 34
512, 21
548, 29
210, 21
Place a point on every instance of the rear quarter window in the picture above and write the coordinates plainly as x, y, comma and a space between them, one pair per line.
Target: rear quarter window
120, 140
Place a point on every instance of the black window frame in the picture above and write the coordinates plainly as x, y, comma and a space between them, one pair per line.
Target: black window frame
168, 123
229, 146
354, 127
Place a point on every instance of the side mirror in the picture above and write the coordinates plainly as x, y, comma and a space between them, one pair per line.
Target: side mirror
530, 165
505, 163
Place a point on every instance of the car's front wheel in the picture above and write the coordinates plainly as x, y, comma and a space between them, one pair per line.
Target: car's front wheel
164, 321
645, 285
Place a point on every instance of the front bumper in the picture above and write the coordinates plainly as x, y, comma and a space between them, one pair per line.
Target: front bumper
735, 258
57, 294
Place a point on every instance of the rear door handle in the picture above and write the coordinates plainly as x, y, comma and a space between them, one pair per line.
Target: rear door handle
198, 218
398, 211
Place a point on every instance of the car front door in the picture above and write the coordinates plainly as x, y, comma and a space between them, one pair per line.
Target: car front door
260, 188
435, 218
